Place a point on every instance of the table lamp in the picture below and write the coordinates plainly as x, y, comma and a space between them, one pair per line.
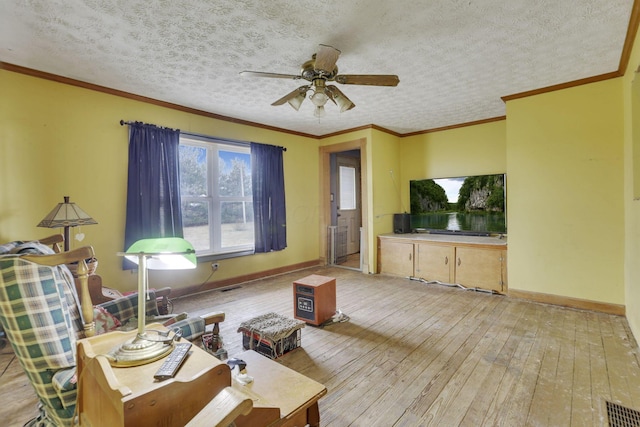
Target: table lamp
66, 215
165, 253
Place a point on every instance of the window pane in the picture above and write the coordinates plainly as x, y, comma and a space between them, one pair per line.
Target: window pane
195, 221
234, 173
193, 171
347, 187
236, 220
216, 196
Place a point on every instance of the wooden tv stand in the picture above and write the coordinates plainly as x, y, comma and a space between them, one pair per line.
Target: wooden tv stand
471, 261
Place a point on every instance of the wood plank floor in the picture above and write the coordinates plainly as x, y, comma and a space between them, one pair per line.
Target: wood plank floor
415, 354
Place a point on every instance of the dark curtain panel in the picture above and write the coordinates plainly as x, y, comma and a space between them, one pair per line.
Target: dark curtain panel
153, 191
267, 181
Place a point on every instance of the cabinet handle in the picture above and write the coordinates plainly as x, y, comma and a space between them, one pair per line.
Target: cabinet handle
446, 260
459, 261
410, 257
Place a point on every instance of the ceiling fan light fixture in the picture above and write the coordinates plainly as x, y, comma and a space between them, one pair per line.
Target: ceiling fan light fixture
319, 112
344, 103
296, 101
319, 98
339, 98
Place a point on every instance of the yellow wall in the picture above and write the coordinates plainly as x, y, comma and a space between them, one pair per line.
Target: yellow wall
59, 140
565, 192
384, 176
632, 207
471, 150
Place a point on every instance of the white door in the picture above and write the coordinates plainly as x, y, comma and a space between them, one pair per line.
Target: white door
349, 210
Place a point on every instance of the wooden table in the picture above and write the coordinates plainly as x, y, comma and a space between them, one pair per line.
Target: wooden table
280, 395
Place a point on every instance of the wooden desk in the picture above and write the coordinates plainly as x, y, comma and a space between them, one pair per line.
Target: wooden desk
280, 395
109, 396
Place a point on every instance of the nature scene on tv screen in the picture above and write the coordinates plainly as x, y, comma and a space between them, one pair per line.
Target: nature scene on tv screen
471, 204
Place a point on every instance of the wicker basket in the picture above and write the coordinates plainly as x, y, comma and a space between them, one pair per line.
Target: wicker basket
92, 264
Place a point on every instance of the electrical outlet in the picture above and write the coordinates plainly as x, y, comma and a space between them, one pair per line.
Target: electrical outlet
214, 266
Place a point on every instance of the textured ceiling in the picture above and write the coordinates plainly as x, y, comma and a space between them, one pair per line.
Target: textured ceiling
455, 58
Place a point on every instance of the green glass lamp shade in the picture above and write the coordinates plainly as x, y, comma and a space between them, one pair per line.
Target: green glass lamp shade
163, 253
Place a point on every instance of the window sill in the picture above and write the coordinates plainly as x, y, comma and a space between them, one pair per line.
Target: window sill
226, 255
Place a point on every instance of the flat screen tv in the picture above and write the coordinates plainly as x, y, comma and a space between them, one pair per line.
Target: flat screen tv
470, 205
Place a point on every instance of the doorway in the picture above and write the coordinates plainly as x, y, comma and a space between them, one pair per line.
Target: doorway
328, 200
346, 210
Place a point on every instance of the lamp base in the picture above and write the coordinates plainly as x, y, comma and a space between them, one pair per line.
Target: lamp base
139, 351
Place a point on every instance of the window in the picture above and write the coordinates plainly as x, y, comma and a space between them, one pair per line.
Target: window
216, 198
347, 187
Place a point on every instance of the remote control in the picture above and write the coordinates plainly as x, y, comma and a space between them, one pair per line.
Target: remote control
173, 361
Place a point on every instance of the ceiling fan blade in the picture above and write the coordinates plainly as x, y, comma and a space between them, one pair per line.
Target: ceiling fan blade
368, 79
326, 58
273, 75
339, 98
294, 98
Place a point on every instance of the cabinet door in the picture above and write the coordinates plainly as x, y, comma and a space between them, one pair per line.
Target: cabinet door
396, 258
434, 262
481, 268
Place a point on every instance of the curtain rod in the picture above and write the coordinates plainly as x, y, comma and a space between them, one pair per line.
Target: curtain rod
122, 123
198, 135
225, 140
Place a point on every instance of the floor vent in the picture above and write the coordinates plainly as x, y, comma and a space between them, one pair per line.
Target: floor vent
619, 416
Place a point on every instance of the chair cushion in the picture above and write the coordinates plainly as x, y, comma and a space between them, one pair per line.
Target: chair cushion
34, 247
105, 321
6, 248
126, 307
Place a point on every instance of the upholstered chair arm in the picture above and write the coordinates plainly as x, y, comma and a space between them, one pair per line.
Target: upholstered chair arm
194, 327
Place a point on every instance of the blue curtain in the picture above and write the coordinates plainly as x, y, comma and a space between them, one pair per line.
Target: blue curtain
267, 181
153, 190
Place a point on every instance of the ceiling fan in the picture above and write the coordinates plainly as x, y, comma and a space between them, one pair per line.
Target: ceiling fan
319, 70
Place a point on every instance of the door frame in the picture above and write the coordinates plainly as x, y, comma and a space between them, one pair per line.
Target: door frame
325, 194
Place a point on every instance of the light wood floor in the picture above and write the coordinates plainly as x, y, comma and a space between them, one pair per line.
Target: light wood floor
414, 354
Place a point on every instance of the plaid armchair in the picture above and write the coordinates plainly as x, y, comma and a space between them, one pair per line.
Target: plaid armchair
42, 317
